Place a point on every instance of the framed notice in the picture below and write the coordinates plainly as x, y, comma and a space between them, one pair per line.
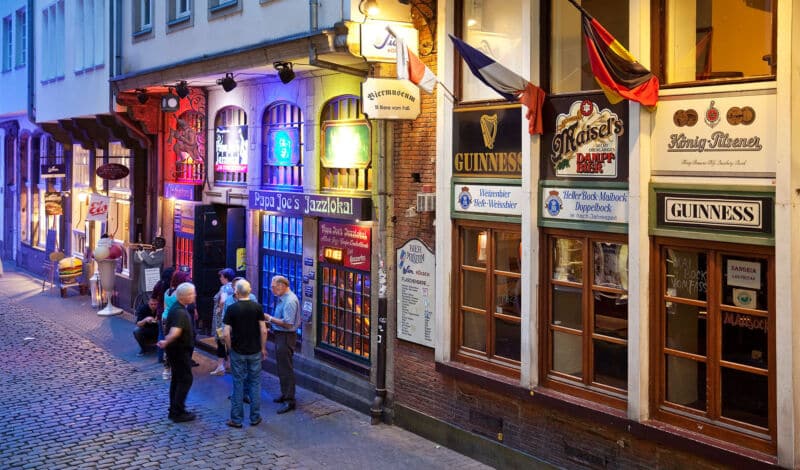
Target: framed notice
416, 288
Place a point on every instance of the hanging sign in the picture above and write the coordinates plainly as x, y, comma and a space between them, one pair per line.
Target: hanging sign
112, 171
416, 292
230, 149
58, 170
387, 98
98, 207
52, 203
377, 45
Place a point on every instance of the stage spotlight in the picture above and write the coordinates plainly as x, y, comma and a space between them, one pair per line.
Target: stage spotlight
182, 89
141, 96
369, 7
285, 71
228, 83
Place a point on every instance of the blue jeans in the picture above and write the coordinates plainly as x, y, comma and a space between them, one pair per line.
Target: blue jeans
246, 371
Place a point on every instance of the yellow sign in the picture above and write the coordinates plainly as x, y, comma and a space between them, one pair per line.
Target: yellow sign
241, 263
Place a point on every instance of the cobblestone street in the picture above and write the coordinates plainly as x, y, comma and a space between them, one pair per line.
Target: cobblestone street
74, 394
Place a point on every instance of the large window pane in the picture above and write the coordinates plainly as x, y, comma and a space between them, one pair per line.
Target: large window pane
686, 328
611, 364
567, 260
686, 382
611, 265
744, 339
569, 62
745, 397
687, 274
568, 354
474, 242
474, 331
508, 251
507, 339
717, 39
494, 27
508, 295
474, 290
611, 314
744, 282
567, 307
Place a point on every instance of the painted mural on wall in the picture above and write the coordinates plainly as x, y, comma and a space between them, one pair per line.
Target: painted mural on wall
185, 135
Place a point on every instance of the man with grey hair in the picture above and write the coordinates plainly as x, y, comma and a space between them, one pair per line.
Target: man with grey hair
245, 335
285, 321
179, 344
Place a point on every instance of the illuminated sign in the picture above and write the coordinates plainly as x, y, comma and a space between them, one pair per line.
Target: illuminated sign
230, 149
333, 255
311, 205
377, 45
350, 245
283, 147
346, 144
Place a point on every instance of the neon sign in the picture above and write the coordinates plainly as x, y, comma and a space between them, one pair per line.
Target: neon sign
346, 145
283, 147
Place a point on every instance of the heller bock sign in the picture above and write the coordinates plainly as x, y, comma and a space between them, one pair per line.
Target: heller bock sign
311, 205
585, 205
387, 98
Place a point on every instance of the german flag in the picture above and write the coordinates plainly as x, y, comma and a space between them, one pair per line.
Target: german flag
617, 72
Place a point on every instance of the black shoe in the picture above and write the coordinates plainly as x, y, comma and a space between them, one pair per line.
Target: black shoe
195, 363
184, 417
232, 424
140, 354
287, 407
278, 400
256, 422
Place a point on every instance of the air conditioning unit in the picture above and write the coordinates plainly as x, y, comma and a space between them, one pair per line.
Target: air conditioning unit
426, 202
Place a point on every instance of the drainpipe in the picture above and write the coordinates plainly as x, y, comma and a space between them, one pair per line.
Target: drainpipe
376, 410
313, 15
31, 67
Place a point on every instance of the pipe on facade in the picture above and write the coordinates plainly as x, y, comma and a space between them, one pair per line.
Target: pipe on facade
313, 15
376, 410
31, 68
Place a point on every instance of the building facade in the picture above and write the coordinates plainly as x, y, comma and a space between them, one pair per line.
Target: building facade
620, 283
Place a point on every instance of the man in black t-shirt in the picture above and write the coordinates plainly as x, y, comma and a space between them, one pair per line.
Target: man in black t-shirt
246, 338
146, 332
179, 343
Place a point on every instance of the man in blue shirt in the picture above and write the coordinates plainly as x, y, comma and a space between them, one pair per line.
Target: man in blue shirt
284, 323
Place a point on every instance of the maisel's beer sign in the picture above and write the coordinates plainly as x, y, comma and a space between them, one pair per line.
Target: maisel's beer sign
585, 138
736, 213
311, 205
488, 142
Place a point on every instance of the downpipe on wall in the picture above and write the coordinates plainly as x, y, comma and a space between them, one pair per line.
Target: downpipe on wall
376, 410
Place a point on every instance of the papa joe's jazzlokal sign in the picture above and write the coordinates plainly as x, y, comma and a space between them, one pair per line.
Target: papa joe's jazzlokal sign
311, 205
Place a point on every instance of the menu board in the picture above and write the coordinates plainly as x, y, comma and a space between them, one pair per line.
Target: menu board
416, 292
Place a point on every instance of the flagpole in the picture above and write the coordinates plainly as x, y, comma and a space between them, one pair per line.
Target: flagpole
447, 90
580, 8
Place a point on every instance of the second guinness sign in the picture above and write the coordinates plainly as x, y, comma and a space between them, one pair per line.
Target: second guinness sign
488, 142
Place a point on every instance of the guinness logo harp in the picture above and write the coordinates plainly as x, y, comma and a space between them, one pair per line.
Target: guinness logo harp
489, 129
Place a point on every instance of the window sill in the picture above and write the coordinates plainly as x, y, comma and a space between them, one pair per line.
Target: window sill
223, 6
594, 412
52, 80
88, 69
178, 21
19, 66
142, 32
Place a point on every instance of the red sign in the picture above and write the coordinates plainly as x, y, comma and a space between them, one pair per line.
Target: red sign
353, 242
112, 171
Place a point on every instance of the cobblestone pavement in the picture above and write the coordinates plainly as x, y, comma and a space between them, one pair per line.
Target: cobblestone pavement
73, 394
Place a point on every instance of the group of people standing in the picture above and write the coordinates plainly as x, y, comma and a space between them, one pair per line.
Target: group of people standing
241, 333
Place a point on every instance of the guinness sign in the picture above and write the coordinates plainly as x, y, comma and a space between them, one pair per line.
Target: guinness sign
716, 212
487, 141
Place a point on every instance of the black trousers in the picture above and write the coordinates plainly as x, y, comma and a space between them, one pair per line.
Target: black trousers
285, 342
145, 336
181, 362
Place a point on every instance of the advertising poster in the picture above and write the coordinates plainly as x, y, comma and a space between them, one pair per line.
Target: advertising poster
416, 293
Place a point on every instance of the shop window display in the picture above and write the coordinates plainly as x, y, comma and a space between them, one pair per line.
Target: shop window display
586, 311
489, 296
716, 341
345, 319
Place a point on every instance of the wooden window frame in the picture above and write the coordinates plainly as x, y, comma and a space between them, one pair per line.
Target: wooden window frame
711, 422
585, 387
658, 50
345, 109
485, 360
281, 115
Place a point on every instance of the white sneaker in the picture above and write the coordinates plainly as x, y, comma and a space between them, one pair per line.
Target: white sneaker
220, 370
166, 375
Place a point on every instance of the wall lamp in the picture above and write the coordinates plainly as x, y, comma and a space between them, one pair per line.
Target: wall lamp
182, 89
369, 7
285, 71
228, 83
141, 96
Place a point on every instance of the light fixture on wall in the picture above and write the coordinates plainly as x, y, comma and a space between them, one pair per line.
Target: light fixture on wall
369, 7
182, 89
285, 71
141, 96
228, 83
170, 102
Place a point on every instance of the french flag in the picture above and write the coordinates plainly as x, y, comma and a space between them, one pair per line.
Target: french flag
508, 84
410, 67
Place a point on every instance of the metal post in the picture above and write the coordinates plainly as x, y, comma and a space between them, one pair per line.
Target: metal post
376, 410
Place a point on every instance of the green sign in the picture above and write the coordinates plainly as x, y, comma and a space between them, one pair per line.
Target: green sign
346, 145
